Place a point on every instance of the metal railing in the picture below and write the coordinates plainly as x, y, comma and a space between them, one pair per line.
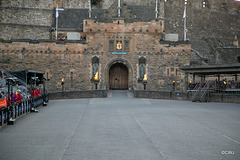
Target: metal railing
16, 110
201, 93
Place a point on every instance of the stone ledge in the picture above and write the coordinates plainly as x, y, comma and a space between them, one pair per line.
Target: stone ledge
43, 40
78, 94
213, 97
29, 25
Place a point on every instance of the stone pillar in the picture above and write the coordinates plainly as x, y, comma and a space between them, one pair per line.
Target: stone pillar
194, 78
161, 9
186, 81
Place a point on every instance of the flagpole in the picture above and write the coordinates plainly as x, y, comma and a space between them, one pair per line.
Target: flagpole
119, 6
56, 22
90, 9
185, 21
185, 24
156, 10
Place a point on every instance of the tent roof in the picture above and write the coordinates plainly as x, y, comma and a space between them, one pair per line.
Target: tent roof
213, 69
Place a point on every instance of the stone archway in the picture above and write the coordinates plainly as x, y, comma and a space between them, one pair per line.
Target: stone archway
119, 74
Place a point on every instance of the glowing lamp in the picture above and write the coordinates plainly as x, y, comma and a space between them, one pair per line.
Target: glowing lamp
96, 77
145, 77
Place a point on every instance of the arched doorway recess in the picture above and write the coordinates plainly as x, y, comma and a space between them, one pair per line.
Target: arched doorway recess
118, 76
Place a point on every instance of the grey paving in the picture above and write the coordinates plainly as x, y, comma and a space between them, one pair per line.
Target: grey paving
121, 127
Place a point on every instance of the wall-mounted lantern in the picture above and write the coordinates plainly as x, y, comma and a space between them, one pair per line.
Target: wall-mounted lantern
62, 83
95, 71
144, 81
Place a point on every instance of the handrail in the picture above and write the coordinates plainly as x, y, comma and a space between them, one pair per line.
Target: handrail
17, 109
201, 91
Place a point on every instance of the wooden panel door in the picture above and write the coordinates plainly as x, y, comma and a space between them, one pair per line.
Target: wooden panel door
118, 76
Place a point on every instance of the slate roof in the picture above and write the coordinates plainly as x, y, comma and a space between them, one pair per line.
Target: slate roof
72, 19
142, 13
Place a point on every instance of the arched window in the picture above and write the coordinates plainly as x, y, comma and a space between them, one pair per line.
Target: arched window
95, 68
142, 68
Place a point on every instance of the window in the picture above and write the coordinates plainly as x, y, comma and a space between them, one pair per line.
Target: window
119, 45
111, 46
126, 45
71, 79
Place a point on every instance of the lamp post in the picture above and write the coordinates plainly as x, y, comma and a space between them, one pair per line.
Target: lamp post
119, 8
44, 92
10, 120
173, 84
156, 9
57, 15
62, 84
90, 9
185, 20
96, 80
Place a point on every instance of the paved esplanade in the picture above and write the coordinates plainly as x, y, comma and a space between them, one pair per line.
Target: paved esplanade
124, 128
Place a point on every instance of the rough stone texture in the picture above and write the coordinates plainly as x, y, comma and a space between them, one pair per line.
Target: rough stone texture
227, 55
208, 28
37, 4
53, 59
163, 59
75, 4
22, 16
24, 31
78, 94
172, 95
25, 19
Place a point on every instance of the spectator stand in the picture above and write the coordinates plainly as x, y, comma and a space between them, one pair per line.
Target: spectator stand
14, 110
201, 89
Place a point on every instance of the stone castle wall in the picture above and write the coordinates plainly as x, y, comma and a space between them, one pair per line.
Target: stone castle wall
56, 60
73, 61
208, 28
214, 25
227, 55
105, 4
24, 31
37, 4
25, 19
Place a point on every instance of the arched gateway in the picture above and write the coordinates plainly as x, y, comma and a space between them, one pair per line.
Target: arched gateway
119, 74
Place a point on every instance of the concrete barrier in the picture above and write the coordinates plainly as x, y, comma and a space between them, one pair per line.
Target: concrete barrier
78, 94
213, 97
